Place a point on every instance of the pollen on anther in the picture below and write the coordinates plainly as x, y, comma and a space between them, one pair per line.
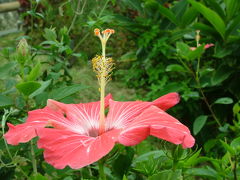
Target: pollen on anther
96, 31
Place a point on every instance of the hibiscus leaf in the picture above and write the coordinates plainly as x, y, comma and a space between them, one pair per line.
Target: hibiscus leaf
28, 88
168, 175
199, 123
63, 92
224, 100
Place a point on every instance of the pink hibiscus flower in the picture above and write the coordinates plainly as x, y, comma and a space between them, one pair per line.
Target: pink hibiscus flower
205, 47
69, 133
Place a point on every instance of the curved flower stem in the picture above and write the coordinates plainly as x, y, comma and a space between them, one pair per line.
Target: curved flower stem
101, 170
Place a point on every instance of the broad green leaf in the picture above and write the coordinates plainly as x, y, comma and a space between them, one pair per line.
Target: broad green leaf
28, 88
189, 16
232, 7
167, 175
202, 172
145, 157
40, 90
236, 144
35, 72
199, 123
5, 101
175, 68
224, 100
179, 9
194, 54
234, 25
211, 16
183, 49
236, 109
168, 14
60, 93
50, 34
215, 6
205, 28
228, 147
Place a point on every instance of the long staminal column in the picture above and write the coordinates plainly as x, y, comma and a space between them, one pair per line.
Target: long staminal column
103, 67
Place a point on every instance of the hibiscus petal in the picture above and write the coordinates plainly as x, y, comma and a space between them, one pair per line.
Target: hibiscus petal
121, 113
154, 121
38, 118
82, 118
167, 101
63, 147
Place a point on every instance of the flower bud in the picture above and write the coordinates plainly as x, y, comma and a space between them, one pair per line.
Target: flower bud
22, 47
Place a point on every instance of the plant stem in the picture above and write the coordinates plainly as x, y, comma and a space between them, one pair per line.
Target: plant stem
4, 119
196, 78
102, 91
102, 175
74, 17
34, 162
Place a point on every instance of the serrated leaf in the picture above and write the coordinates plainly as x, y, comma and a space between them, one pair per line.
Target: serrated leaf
224, 100
60, 93
222, 73
211, 16
199, 123
28, 88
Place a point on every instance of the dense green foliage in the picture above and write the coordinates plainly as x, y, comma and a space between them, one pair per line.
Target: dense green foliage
153, 56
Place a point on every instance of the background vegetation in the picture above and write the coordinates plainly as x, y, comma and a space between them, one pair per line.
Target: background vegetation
151, 48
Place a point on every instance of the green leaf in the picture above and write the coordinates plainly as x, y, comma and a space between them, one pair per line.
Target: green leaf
236, 144
5, 101
60, 93
211, 16
35, 72
183, 49
175, 68
189, 16
222, 73
224, 100
193, 159
168, 14
124, 177
228, 147
199, 123
38, 176
232, 7
194, 54
40, 90
50, 34
28, 88
6, 69
202, 172
167, 175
